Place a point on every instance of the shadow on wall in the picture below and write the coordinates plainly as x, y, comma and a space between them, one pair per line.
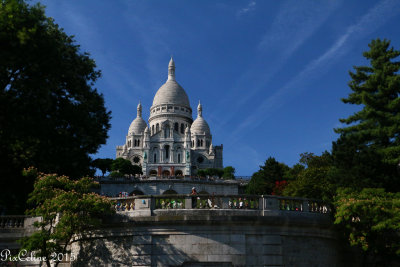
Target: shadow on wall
285, 240
131, 250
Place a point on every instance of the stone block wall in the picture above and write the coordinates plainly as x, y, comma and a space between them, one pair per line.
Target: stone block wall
210, 242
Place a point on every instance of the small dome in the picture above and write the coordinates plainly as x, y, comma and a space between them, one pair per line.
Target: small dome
200, 126
171, 93
138, 126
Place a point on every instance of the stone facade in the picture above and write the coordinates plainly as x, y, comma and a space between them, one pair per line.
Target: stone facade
172, 144
159, 187
277, 231
217, 240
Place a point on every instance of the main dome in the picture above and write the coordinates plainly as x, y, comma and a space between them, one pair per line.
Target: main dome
171, 92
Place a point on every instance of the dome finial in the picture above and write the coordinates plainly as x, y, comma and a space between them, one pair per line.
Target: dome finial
139, 110
171, 69
199, 110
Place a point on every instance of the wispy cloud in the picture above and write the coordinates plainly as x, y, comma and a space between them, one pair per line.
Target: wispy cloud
294, 24
291, 27
370, 22
250, 7
154, 38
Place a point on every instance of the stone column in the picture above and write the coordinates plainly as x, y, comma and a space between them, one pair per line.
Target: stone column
159, 171
171, 155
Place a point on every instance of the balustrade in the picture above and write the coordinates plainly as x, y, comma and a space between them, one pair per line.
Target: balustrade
16, 221
240, 202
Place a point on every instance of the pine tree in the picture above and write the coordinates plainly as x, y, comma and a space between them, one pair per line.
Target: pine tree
376, 127
377, 89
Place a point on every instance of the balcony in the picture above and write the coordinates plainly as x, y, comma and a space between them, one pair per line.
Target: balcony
232, 205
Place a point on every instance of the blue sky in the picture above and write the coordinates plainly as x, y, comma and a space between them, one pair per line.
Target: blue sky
269, 74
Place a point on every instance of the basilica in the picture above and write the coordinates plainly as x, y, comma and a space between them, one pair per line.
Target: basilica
171, 144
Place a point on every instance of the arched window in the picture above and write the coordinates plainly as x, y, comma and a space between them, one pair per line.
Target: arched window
200, 159
169, 191
182, 128
201, 142
192, 143
176, 127
166, 152
157, 127
135, 142
166, 173
179, 158
198, 142
155, 158
138, 142
166, 132
152, 129
137, 192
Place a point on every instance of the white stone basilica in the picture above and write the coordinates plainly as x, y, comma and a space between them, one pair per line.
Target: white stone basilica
173, 144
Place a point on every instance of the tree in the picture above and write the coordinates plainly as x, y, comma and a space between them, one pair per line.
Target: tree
370, 219
376, 127
67, 208
210, 172
263, 181
51, 116
229, 173
314, 180
357, 165
125, 167
104, 165
135, 169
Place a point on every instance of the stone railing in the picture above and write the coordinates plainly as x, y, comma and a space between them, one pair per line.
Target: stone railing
12, 221
146, 205
239, 180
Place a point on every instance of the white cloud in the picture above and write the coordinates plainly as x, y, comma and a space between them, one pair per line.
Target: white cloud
154, 38
295, 23
291, 27
250, 7
370, 22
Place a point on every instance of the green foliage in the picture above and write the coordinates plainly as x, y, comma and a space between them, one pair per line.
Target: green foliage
229, 173
313, 180
125, 166
51, 115
263, 181
116, 174
210, 172
67, 208
370, 219
372, 134
357, 165
104, 165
